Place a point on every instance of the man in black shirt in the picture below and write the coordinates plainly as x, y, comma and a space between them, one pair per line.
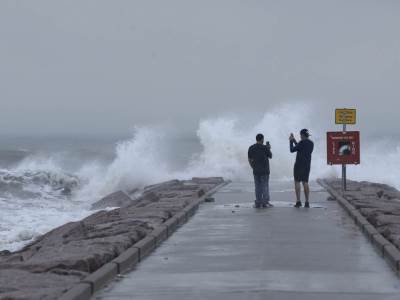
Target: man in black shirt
302, 166
259, 155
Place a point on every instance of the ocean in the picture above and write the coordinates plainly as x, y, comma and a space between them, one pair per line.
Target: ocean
48, 181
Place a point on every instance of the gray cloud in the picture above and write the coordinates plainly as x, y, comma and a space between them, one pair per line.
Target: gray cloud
104, 66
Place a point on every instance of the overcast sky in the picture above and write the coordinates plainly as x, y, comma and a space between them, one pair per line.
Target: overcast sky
69, 67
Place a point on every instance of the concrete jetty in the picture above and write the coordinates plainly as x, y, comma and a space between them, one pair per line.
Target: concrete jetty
229, 250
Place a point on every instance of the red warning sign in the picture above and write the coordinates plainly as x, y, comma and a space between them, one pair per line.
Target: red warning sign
343, 148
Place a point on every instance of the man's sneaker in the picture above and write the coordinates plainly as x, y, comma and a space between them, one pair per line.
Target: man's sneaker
298, 204
307, 205
268, 204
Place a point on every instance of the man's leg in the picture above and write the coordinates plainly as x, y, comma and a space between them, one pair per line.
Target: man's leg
258, 190
297, 187
264, 189
306, 191
267, 194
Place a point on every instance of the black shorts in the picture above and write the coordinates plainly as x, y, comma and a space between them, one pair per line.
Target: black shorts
301, 174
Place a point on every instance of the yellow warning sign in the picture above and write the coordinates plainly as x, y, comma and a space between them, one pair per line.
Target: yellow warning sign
346, 116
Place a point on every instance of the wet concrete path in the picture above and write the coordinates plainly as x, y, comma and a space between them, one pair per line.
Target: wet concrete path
229, 250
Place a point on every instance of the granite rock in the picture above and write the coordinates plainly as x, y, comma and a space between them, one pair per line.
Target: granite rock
117, 199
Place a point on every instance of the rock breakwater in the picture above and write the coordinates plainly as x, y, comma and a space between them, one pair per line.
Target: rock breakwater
378, 203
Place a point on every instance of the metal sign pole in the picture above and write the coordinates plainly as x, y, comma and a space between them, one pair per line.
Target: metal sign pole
344, 175
335, 146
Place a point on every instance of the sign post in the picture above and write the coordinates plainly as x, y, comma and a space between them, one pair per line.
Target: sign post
344, 170
344, 147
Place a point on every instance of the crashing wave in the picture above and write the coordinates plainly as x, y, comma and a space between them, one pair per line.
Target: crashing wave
36, 184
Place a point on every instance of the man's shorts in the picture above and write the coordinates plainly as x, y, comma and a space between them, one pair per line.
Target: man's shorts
301, 174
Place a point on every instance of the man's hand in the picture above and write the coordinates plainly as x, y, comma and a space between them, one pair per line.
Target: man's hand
291, 137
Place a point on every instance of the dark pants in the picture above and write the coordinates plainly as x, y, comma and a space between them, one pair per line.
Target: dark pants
262, 189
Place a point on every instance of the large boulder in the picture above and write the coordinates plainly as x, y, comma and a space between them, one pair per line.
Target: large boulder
117, 199
208, 180
24, 285
172, 184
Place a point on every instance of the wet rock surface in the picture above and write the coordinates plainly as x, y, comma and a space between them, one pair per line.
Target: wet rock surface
117, 199
378, 203
63, 257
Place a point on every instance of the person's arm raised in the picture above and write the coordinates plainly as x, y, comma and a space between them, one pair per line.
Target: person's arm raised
294, 146
269, 153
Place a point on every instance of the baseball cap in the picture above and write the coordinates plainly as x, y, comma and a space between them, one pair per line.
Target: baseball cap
305, 132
